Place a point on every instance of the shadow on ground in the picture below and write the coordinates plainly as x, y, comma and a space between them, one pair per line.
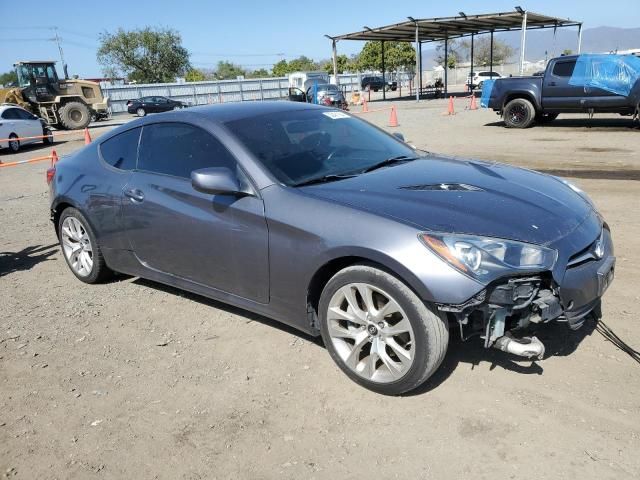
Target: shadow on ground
558, 339
25, 259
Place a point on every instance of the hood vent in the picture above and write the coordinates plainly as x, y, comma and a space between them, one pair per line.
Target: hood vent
443, 187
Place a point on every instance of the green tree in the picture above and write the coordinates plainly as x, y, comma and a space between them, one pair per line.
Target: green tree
455, 53
259, 73
397, 55
194, 75
8, 78
229, 71
302, 64
567, 51
280, 69
344, 64
482, 51
145, 55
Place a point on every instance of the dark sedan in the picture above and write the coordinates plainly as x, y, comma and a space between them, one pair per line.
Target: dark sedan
320, 220
144, 105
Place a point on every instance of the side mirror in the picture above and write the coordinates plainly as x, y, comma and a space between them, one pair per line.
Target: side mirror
216, 181
399, 136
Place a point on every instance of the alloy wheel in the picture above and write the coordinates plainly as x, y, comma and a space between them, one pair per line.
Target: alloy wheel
77, 247
370, 332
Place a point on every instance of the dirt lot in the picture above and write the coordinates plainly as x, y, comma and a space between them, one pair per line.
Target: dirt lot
136, 380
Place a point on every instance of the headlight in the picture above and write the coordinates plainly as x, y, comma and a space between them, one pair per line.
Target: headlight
486, 258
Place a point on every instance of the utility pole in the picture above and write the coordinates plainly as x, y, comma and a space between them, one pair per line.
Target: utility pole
57, 40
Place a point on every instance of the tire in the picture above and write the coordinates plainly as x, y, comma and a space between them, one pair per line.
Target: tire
177, 107
376, 89
48, 139
74, 231
411, 324
14, 145
74, 116
94, 117
546, 117
519, 113
366, 88
141, 112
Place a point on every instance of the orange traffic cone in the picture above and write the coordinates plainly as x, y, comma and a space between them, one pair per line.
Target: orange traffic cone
393, 120
474, 105
87, 137
54, 157
365, 105
451, 110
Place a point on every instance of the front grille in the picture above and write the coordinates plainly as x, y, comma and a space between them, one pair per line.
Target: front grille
585, 255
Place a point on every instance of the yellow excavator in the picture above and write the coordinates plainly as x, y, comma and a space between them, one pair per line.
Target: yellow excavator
67, 104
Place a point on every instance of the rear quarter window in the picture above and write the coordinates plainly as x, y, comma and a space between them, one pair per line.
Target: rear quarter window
121, 151
564, 69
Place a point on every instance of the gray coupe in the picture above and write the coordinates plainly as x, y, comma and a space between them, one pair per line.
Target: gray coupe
318, 219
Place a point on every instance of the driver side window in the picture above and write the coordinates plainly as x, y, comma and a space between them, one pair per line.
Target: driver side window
177, 149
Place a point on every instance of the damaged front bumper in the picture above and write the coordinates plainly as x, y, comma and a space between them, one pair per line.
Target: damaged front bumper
502, 313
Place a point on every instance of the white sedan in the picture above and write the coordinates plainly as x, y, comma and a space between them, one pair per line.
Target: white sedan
16, 123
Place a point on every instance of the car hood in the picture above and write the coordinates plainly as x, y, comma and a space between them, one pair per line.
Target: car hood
465, 196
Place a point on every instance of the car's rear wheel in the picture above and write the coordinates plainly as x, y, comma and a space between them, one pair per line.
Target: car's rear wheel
80, 247
177, 107
519, 113
140, 112
14, 143
379, 332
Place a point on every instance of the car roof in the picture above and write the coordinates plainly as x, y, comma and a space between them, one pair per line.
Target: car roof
220, 113
5, 106
227, 112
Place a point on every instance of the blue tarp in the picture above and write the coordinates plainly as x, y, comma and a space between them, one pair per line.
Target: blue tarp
613, 73
487, 86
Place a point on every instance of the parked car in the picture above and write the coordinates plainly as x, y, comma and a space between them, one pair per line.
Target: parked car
524, 100
376, 83
320, 220
480, 77
323, 94
16, 123
144, 105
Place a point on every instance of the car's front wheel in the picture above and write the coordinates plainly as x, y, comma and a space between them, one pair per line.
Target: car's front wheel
80, 247
14, 143
140, 112
379, 332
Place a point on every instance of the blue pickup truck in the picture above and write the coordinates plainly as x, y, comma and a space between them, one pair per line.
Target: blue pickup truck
594, 84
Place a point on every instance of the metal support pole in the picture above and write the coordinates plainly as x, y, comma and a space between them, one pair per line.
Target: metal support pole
579, 38
335, 60
418, 60
491, 56
384, 81
523, 40
446, 65
471, 72
420, 71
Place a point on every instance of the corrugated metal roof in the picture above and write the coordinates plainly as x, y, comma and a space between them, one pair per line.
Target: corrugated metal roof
437, 29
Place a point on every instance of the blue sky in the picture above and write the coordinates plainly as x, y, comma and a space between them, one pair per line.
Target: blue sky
253, 33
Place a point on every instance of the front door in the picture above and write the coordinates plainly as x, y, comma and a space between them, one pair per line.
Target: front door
215, 240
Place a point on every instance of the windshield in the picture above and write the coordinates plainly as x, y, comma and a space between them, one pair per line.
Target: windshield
301, 145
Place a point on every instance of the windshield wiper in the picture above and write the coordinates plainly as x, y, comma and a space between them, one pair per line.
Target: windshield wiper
389, 161
324, 179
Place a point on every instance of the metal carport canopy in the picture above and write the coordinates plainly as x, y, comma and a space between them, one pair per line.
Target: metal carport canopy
448, 28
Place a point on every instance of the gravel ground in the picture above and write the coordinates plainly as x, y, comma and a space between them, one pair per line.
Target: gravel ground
133, 379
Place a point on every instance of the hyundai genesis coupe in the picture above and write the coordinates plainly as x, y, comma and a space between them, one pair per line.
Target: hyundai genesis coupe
315, 218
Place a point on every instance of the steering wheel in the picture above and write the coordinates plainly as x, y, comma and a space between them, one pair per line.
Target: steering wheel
338, 150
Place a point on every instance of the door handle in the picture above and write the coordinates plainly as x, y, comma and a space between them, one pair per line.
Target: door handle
134, 194
552, 84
